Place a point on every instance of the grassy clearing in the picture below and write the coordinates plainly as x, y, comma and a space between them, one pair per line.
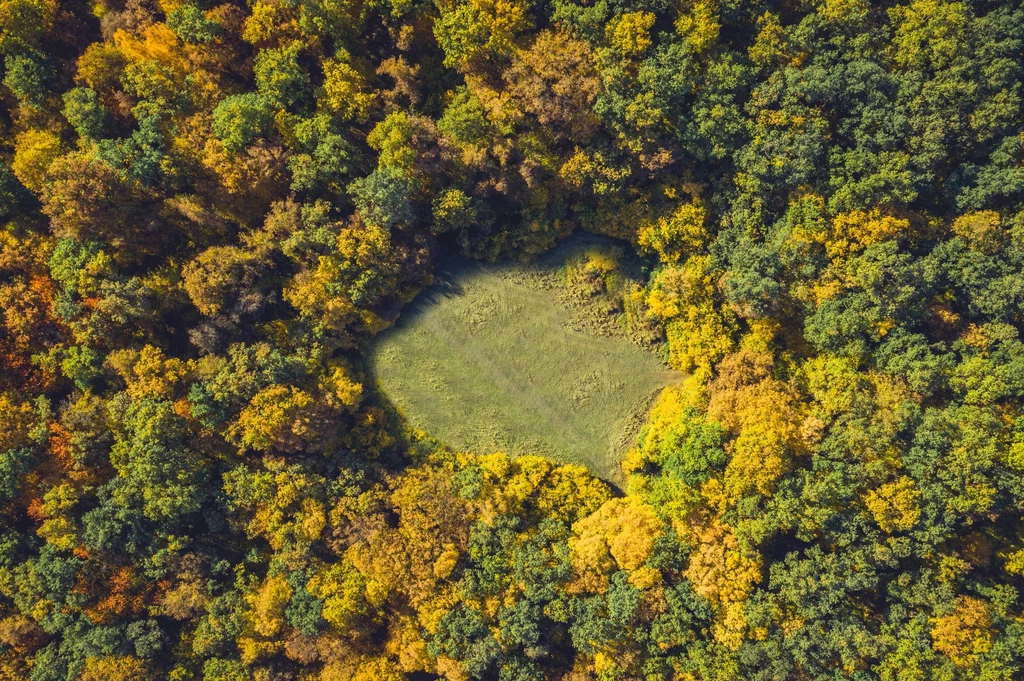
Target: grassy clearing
492, 358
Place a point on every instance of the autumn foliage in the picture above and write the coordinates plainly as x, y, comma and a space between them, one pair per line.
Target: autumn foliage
210, 210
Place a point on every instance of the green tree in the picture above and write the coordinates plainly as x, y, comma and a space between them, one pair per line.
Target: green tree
239, 120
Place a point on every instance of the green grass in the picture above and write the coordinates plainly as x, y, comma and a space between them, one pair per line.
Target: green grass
491, 359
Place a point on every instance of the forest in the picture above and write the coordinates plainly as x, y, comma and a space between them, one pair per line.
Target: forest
210, 211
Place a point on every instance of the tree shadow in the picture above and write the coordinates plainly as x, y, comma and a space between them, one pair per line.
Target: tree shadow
448, 274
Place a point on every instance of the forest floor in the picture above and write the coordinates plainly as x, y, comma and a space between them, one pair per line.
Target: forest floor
495, 358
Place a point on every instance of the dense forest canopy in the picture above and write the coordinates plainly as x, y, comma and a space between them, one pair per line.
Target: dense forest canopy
211, 209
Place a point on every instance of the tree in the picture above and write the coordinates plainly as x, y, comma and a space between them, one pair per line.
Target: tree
26, 76
384, 198
23, 23
556, 81
155, 471
220, 276
191, 25
675, 237
87, 199
239, 120
479, 29
629, 33
344, 89
34, 152
279, 77
84, 112
282, 418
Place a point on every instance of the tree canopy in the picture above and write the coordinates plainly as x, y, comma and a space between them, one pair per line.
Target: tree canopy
210, 210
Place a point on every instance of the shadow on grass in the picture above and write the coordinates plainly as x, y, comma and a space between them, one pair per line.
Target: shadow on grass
449, 270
